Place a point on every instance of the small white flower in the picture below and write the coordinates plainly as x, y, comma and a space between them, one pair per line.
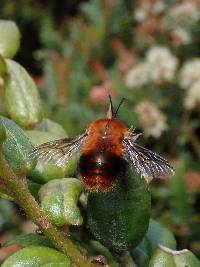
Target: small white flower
185, 12
141, 13
137, 76
189, 73
152, 120
192, 98
159, 7
182, 35
162, 64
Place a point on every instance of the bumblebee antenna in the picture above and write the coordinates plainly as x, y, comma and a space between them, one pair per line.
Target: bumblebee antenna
110, 110
120, 103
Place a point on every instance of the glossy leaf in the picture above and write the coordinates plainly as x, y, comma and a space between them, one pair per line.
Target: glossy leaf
34, 188
21, 96
49, 130
71, 167
52, 127
25, 240
17, 146
156, 234
59, 200
119, 219
36, 256
44, 171
164, 256
38, 137
9, 38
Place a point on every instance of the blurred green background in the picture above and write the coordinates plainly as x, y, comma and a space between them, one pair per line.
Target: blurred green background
147, 51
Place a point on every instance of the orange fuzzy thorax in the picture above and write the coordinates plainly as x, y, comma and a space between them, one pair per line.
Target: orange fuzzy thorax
105, 134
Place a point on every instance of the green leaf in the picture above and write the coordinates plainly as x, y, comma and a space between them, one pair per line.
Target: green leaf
119, 219
9, 38
156, 234
26, 240
34, 188
93, 11
44, 171
59, 200
164, 256
16, 147
22, 97
180, 199
36, 256
52, 127
38, 137
71, 167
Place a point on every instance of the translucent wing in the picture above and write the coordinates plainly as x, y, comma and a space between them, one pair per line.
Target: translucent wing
58, 151
145, 162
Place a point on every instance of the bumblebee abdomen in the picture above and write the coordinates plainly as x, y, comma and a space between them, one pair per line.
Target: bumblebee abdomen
99, 170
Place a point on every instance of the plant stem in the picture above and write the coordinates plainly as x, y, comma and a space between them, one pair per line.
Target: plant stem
19, 191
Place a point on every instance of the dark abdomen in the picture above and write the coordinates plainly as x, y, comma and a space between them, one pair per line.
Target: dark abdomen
100, 170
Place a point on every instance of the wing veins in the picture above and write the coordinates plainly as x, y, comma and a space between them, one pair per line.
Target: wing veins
58, 151
145, 161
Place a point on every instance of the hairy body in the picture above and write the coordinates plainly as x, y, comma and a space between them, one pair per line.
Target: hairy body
101, 159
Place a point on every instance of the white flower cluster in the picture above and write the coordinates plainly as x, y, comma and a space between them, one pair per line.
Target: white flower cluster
153, 121
185, 12
162, 64
159, 66
190, 79
193, 96
190, 73
137, 76
146, 8
182, 35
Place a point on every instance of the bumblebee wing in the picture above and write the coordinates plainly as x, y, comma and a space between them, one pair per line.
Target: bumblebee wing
58, 151
146, 162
